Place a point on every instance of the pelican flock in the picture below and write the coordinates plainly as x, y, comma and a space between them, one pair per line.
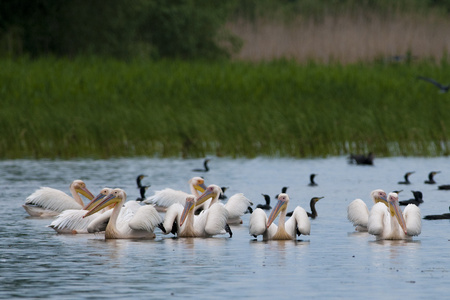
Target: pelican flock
199, 213
298, 224
390, 223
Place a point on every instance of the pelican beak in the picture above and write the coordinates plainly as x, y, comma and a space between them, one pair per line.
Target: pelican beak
108, 200
201, 187
207, 194
382, 199
395, 210
187, 208
85, 192
276, 211
94, 201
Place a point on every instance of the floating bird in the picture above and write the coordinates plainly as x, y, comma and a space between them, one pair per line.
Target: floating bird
362, 159
311, 180
444, 187
296, 225
389, 223
139, 180
181, 220
205, 166
72, 221
166, 197
283, 190
438, 217
267, 205
418, 198
236, 206
431, 177
407, 174
48, 202
358, 213
137, 224
312, 205
142, 191
222, 195
442, 88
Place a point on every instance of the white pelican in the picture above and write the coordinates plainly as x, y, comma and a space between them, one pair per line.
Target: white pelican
166, 197
72, 220
358, 213
236, 206
298, 224
389, 223
48, 202
137, 224
182, 221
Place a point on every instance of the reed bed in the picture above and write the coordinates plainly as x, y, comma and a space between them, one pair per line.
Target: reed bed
92, 107
346, 37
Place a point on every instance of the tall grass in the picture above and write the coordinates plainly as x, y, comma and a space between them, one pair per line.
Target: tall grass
346, 37
96, 107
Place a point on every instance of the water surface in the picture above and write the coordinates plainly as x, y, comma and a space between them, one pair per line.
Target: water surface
334, 261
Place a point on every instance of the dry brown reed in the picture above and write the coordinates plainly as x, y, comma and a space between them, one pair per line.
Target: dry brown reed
344, 38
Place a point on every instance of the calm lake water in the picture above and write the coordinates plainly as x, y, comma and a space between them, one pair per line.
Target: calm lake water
333, 262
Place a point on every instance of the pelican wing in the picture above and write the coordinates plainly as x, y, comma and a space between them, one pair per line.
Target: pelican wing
413, 219
72, 221
100, 222
216, 219
146, 218
52, 199
299, 222
172, 218
237, 205
358, 213
167, 197
377, 219
258, 222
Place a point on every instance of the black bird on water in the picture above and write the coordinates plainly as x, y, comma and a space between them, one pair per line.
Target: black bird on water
430, 177
267, 205
361, 159
418, 198
406, 178
142, 191
205, 166
222, 195
444, 187
312, 205
442, 88
142, 188
139, 180
311, 180
438, 217
283, 190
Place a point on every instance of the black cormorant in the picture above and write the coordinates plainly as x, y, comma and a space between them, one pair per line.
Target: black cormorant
418, 198
311, 180
205, 166
267, 205
406, 178
430, 177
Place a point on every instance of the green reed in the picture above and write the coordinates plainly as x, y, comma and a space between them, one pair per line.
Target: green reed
93, 107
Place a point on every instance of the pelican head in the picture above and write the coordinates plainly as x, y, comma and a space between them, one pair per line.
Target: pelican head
97, 198
190, 204
114, 197
283, 200
211, 191
379, 196
394, 209
198, 183
80, 187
